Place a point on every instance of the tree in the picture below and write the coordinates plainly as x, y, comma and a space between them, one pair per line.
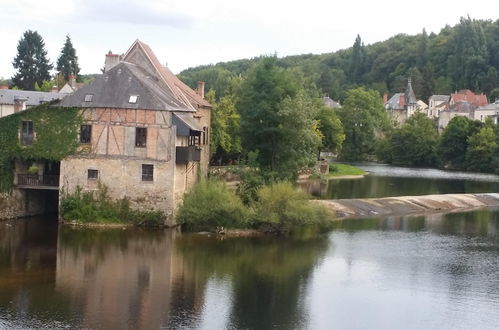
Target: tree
481, 148
261, 94
363, 115
415, 143
454, 141
31, 62
331, 130
67, 63
357, 61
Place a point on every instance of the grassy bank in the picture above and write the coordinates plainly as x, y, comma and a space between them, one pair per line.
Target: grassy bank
336, 170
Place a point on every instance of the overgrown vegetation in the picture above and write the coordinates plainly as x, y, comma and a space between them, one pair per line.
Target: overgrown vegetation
337, 169
277, 207
99, 207
55, 137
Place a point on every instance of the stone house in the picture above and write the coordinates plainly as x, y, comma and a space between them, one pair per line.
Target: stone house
461, 108
437, 103
487, 111
402, 105
145, 135
71, 86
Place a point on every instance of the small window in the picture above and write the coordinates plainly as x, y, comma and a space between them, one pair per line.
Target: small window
89, 97
85, 134
147, 172
133, 99
93, 174
140, 137
27, 133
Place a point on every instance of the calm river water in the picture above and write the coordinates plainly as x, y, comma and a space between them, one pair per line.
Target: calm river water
386, 181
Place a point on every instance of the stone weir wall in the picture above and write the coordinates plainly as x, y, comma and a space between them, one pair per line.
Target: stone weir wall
406, 205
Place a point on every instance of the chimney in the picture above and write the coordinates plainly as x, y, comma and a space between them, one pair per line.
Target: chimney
54, 89
111, 61
200, 89
5, 86
72, 81
385, 98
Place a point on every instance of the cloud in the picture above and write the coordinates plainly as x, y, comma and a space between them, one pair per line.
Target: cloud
129, 12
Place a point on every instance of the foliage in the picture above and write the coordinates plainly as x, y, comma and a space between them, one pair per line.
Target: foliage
415, 143
336, 169
282, 206
225, 130
454, 141
210, 204
481, 148
98, 207
362, 116
31, 61
331, 130
67, 63
56, 136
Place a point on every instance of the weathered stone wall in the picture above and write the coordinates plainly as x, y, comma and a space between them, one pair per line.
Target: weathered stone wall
205, 120
24, 203
123, 178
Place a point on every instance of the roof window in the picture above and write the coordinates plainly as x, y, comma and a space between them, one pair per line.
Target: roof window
133, 99
89, 97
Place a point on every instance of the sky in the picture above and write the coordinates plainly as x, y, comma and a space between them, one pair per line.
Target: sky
184, 34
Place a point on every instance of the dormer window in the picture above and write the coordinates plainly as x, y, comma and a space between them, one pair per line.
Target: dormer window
133, 99
89, 97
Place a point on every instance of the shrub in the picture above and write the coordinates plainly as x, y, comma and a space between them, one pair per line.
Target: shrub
210, 204
282, 206
98, 207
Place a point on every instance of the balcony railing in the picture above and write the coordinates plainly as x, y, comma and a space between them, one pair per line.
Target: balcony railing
30, 180
188, 154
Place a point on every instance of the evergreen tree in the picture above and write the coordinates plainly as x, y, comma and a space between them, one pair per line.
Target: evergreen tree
357, 60
31, 62
67, 63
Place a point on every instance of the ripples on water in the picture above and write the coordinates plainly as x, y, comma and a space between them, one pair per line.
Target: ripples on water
435, 272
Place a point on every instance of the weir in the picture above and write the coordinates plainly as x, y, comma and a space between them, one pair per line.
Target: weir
410, 205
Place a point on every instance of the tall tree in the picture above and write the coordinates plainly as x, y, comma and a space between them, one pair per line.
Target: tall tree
357, 61
31, 62
67, 63
481, 148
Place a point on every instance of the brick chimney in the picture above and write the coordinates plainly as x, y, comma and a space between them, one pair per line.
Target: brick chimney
4, 86
72, 81
111, 61
200, 89
385, 98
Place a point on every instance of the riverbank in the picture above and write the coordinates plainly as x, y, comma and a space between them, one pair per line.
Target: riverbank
409, 205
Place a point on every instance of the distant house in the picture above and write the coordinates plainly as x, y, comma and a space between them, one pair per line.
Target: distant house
461, 108
437, 103
71, 86
145, 135
465, 95
12, 101
487, 111
330, 103
402, 105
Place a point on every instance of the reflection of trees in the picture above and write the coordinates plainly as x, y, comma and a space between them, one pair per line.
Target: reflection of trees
269, 276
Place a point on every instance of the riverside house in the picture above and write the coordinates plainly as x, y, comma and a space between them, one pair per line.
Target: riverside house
145, 135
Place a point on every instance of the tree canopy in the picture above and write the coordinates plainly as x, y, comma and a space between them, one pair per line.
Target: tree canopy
67, 62
31, 62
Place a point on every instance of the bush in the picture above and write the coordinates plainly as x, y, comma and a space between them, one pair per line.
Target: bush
98, 207
210, 204
282, 206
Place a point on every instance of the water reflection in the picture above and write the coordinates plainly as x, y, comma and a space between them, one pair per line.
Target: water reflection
433, 272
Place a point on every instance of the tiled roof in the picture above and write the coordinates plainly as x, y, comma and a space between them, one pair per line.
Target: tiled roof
396, 102
181, 91
468, 96
440, 98
7, 96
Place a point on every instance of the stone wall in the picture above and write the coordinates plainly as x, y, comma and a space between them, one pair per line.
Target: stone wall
123, 178
23, 203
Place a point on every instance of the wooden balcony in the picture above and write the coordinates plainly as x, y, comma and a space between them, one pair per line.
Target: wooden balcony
30, 181
187, 154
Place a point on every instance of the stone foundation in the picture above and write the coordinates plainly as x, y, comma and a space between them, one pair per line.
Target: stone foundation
24, 203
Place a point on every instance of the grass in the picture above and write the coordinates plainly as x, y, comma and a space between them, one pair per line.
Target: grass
336, 169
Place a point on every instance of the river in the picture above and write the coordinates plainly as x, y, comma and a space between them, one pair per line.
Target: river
432, 272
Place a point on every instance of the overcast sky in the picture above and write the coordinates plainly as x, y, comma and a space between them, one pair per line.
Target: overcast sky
189, 33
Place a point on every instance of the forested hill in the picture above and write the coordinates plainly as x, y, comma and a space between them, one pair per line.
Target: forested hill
463, 56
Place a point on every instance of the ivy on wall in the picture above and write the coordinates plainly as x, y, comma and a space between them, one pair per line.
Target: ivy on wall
56, 132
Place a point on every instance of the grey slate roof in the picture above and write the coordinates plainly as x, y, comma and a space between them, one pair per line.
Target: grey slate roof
8, 96
394, 102
440, 98
492, 106
463, 106
114, 88
410, 96
185, 123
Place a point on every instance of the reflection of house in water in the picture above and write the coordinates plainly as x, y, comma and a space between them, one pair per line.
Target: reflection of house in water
117, 279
